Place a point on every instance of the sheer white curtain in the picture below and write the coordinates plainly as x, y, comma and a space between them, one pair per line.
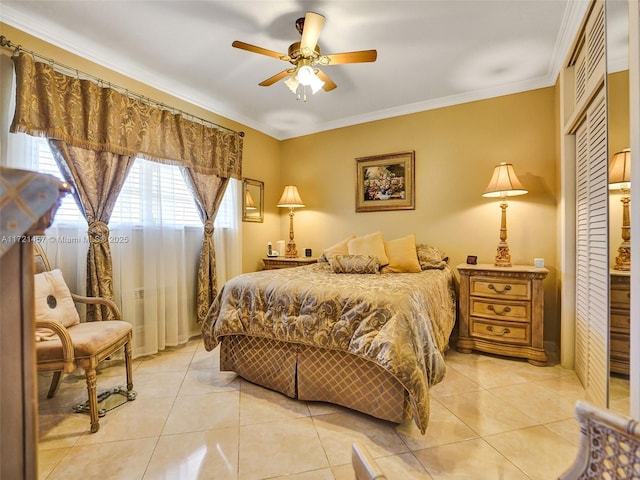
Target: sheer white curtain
155, 239
155, 247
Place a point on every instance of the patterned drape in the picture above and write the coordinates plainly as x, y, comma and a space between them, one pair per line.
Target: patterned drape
97, 178
208, 191
96, 127
85, 114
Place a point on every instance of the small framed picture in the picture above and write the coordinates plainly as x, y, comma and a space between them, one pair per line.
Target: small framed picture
472, 260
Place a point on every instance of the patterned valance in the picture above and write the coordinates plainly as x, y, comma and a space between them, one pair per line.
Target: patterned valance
92, 116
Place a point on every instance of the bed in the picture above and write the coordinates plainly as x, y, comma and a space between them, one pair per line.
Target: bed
369, 342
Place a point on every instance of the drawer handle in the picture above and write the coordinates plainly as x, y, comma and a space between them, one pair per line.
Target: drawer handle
504, 290
504, 311
502, 332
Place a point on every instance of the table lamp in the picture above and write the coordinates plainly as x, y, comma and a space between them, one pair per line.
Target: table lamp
503, 184
291, 198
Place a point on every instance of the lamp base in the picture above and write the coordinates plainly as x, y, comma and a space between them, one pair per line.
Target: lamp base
623, 260
503, 257
292, 251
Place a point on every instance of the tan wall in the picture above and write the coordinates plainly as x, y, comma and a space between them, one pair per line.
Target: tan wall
456, 149
261, 152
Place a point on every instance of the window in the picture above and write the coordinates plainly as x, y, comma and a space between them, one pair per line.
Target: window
153, 193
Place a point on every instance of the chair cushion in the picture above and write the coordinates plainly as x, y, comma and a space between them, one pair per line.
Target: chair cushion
53, 302
89, 339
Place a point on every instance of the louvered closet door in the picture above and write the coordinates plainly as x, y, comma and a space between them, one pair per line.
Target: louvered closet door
592, 262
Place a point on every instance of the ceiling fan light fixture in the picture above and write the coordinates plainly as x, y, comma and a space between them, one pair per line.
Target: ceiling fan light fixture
316, 84
306, 75
292, 83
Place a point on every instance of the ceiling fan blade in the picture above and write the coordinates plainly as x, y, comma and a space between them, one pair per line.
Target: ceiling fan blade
254, 49
313, 23
351, 57
278, 76
328, 83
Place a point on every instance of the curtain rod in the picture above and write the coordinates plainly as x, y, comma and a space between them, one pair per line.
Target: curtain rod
6, 43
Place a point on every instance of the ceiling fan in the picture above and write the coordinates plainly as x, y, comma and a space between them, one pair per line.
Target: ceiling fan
305, 55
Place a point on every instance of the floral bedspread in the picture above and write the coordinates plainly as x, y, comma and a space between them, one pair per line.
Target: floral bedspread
401, 321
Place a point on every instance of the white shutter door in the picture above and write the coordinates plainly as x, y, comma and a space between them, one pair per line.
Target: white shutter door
592, 262
582, 254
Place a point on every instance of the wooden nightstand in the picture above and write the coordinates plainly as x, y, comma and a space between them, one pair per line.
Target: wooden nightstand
271, 263
619, 321
502, 311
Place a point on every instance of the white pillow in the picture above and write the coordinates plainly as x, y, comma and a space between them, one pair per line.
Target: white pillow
372, 245
53, 302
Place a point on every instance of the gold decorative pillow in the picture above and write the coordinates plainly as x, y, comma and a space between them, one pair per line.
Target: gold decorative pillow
338, 248
53, 302
372, 244
402, 255
431, 257
354, 264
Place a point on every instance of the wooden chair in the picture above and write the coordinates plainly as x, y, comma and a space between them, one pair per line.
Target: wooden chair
83, 345
364, 465
609, 445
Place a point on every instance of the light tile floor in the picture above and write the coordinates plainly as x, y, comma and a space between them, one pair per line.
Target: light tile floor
491, 418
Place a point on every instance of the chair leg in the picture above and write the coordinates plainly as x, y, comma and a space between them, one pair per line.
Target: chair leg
90, 373
55, 383
128, 365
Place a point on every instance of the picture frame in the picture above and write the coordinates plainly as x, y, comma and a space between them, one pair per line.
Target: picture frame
252, 200
385, 182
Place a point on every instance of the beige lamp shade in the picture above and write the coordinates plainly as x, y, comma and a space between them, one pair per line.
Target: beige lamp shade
620, 171
290, 197
504, 183
249, 204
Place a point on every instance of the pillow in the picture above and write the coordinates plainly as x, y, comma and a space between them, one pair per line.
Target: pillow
402, 255
431, 257
354, 264
338, 248
53, 302
371, 244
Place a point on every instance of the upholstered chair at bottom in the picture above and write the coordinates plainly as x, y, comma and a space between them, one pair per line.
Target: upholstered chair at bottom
609, 445
64, 344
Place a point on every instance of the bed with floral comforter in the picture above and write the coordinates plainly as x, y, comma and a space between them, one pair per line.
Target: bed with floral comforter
401, 322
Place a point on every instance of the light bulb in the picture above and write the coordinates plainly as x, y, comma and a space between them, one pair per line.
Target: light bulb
305, 75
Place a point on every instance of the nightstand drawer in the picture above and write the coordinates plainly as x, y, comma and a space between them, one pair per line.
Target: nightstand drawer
620, 297
497, 287
505, 311
619, 346
516, 333
620, 321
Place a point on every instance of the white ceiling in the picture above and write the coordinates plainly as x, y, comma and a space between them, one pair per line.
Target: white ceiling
431, 53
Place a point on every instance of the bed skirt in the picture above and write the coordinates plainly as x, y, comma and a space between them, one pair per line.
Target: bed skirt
316, 374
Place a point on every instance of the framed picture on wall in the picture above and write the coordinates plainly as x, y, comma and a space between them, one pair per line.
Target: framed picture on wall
385, 182
252, 200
